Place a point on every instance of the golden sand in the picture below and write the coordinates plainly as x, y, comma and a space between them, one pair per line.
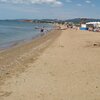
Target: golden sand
17, 58
68, 69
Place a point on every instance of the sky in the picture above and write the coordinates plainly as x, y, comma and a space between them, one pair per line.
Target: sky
49, 9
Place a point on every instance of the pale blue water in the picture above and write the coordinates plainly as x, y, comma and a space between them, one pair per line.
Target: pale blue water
15, 31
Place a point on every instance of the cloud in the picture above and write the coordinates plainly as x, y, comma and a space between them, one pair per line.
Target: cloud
88, 1
55, 2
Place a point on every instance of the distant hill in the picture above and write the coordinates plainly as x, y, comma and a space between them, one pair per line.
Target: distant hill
75, 20
78, 20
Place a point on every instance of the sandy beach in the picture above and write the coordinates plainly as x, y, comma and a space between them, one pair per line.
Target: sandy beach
16, 59
63, 65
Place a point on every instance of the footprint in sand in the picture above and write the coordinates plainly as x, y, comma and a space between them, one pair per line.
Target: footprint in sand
5, 93
93, 44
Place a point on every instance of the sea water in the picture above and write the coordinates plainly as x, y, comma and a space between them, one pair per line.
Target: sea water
12, 32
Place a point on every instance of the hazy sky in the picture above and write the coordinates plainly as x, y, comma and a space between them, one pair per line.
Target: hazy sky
40, 9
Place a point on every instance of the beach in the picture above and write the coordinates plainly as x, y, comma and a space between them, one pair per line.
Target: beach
62, 65
15, 59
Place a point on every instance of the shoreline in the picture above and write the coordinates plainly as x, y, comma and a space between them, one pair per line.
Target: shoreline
12, 33
12, 44
15, 59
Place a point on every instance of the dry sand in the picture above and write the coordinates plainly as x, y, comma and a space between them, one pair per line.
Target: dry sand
69, 69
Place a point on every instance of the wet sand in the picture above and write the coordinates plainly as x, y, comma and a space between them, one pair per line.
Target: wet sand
68, 69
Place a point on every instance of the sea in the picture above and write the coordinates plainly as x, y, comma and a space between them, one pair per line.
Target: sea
13, 31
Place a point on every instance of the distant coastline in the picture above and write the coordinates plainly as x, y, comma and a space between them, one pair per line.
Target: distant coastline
74, 20
26, 21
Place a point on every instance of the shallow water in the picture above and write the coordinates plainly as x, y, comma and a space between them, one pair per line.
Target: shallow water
12, 32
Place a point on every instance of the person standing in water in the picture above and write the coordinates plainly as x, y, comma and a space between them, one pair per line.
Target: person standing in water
42, 30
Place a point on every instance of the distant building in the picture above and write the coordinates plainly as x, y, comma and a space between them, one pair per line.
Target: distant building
83, 27
93, 24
